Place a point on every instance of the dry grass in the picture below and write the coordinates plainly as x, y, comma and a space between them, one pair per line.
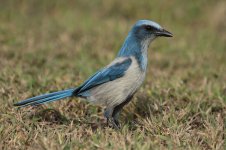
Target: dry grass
48, 46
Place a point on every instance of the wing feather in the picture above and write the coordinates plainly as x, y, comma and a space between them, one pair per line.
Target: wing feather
107, 74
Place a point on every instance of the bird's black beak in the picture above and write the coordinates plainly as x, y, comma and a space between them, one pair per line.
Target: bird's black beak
163, 32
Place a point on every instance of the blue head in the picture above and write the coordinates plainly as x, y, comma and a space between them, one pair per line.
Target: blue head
148, 30
141, 35
139, 38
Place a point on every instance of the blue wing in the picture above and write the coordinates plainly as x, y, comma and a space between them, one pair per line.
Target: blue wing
105, 75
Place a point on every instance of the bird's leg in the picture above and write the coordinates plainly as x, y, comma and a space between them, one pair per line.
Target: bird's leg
110, 120
117, 110
107, 115
115, 117
112, 113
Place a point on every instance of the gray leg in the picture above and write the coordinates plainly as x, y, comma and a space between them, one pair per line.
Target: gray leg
110, 120
117, 110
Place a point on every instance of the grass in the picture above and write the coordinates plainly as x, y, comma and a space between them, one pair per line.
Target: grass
54, 45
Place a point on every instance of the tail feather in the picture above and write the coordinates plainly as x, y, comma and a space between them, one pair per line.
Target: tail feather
50, 97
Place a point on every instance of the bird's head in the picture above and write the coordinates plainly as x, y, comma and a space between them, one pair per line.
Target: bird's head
140, 36
148, 30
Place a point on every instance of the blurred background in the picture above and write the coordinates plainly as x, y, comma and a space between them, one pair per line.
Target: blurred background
67, 41
49, 45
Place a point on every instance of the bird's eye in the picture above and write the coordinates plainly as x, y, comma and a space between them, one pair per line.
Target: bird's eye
149, 28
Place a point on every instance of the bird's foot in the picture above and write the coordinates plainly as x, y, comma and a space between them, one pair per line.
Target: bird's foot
111, 122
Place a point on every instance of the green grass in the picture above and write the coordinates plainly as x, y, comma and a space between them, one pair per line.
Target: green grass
53, 45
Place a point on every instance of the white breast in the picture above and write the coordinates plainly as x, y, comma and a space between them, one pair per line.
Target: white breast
115, 92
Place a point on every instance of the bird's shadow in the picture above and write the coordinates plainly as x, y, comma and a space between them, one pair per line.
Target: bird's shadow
140, 108
54, 117
49, 115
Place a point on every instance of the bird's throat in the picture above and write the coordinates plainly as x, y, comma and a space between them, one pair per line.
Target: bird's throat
137, 48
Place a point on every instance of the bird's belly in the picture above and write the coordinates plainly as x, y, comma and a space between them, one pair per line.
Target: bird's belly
115, 92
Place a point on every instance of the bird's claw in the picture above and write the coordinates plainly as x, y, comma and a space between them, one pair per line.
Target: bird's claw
111, 122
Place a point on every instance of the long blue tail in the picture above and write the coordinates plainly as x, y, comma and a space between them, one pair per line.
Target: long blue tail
50, 97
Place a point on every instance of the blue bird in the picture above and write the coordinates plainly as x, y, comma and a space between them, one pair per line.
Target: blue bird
114, 85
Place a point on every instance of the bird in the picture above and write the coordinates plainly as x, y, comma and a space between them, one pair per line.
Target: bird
114, 85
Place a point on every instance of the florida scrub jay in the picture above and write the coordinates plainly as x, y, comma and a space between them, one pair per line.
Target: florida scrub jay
114, 85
